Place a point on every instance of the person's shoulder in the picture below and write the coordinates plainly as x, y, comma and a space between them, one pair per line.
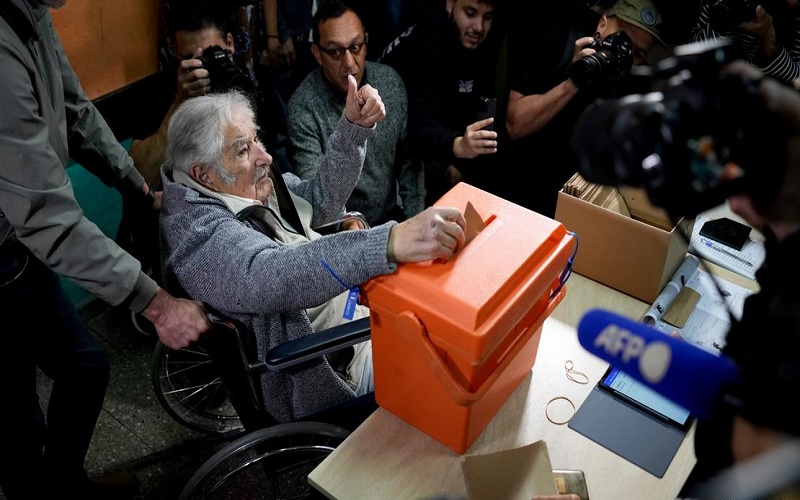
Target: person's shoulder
383, 72
312, 85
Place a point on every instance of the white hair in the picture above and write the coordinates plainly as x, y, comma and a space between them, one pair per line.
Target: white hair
196, 133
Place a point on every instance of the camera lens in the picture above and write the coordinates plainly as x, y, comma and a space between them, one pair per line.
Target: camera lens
587, 70
612, 59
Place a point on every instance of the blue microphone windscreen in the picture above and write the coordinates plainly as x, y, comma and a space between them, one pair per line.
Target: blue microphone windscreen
682, 372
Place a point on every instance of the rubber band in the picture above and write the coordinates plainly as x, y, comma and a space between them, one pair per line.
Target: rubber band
574, 375
547, 410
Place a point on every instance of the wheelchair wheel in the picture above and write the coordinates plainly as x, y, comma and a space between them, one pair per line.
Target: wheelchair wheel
189, 388
270, 463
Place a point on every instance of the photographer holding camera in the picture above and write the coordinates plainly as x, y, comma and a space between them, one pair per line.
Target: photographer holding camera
201, 47
555, 73
766, 32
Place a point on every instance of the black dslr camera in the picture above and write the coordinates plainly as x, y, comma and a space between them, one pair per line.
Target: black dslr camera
223, 72
724, 15
612, 59
676, 140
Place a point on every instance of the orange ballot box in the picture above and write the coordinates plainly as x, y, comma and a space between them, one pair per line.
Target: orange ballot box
452, 340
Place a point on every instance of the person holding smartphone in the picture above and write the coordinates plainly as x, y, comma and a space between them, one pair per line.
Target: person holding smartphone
448, 63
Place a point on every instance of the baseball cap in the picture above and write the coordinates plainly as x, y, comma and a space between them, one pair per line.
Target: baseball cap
641, 13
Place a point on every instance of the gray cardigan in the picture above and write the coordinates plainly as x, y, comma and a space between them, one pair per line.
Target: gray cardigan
213, 257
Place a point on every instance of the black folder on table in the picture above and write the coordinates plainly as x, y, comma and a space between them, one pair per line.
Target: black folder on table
629, 428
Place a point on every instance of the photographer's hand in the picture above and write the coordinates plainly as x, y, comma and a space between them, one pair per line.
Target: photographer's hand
193, 79
583, 48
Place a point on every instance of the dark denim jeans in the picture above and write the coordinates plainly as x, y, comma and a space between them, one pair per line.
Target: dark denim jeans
39, 326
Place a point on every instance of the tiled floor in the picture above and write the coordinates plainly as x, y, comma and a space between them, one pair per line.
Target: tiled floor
134, 433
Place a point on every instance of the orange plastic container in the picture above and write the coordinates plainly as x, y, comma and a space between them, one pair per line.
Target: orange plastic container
451, 341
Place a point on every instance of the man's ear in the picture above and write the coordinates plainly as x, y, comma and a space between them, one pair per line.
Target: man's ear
202, 175
449, 4
315, 50
602, 23
229, 43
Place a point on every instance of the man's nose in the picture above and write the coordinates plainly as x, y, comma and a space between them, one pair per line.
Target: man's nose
349, 59
263, 154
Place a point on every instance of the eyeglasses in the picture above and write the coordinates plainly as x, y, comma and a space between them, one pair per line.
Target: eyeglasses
338, 52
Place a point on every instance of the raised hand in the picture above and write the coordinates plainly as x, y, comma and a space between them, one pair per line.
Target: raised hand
364, 106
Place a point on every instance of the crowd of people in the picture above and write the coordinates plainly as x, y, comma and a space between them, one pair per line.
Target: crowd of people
277, 117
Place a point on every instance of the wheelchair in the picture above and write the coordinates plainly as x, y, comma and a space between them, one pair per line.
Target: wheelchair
188, 385
214, 386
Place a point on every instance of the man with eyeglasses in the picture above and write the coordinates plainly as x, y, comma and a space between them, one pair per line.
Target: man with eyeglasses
391, 187
448, 62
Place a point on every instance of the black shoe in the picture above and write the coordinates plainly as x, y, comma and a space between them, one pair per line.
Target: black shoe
117, 486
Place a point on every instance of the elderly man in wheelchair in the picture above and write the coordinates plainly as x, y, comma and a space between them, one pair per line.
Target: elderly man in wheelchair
237, 235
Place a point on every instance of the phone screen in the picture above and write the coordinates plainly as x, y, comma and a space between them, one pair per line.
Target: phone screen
641, 396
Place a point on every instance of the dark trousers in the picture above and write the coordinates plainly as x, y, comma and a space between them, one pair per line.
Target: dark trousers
39, 326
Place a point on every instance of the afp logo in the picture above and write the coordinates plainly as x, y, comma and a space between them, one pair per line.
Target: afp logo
653, 358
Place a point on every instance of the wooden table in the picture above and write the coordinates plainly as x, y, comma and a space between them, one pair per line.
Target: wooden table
388, 458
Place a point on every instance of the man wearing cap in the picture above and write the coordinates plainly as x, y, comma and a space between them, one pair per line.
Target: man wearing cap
544, 102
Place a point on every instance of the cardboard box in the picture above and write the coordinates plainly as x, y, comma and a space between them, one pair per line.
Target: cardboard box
452, 340
624, 253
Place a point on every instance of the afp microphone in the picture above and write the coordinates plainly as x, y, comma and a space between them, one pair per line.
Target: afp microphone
681, 372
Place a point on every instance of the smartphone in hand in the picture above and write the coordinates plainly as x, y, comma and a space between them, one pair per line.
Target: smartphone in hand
487, 107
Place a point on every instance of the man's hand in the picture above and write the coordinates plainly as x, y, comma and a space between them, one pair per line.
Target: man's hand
193, 79
436, 233
476, 141
582, 48
364, 106
270, 56
178, 322
762, 27
287, 53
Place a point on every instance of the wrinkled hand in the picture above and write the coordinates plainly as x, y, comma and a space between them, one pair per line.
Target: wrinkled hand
193, 79
364, 106
476, 141
178, 322
436, 233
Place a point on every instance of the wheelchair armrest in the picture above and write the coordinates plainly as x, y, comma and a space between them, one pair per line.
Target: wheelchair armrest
335, 225
320, 343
